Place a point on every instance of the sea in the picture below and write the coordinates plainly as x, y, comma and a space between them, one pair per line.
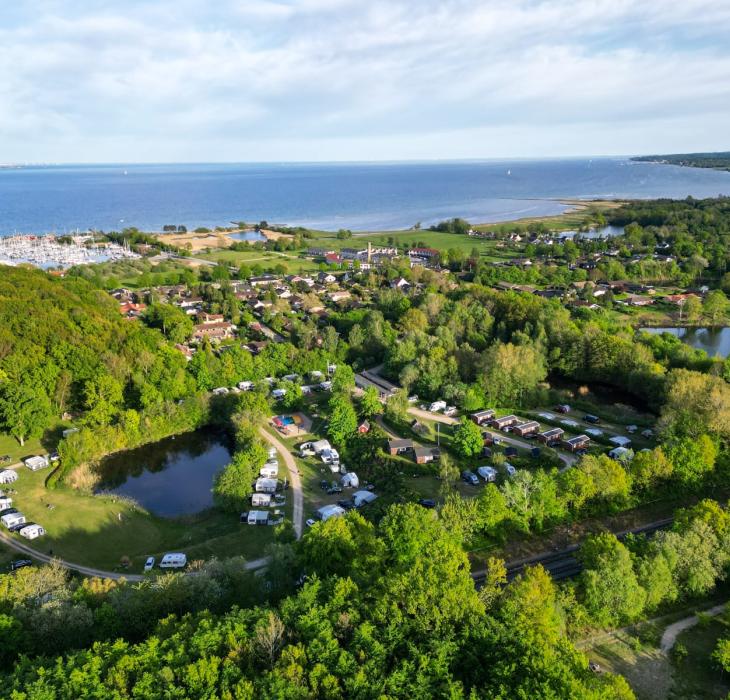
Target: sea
329, 196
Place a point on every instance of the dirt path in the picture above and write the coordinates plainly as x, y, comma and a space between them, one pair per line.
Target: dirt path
294, 480
669, 637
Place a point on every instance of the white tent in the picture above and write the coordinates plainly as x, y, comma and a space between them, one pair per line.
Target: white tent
350, 480
360, 498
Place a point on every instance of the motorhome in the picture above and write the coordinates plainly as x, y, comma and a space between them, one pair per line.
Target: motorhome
173, 560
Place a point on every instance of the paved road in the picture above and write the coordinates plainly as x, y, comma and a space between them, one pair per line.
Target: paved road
294, 480
449, 420
669, 637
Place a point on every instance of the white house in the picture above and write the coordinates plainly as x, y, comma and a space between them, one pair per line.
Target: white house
264, 485
261, 499
361, 498
350, 480
36, 463
8, 476
258, 517
32, 531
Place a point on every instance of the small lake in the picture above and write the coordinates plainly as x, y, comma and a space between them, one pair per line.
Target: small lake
172, 477
247, 236
714, 341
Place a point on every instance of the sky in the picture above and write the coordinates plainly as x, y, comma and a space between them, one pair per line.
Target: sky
327, 80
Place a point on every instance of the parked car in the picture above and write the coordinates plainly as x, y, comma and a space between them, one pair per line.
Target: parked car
590, 418
346, 503
562, 408
535, 452
413, 398
511, 471
149, 564
324, 484
510, 451
469, 477
19, 564
334, 489
427, 503
310, 522
450, 411
581, 452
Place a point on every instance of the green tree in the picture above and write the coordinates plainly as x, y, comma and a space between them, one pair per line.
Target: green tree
649, 468
370, 404
103, 398
467, 439
715, 307
343, 419
508, 372
611, 591
24, 410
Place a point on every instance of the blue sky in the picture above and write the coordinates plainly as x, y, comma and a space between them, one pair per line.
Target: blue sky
237, 80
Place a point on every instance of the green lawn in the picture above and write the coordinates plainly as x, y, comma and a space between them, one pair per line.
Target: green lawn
10, 447
266, 259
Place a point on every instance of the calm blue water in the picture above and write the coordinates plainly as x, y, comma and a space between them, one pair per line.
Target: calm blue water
714, 341
329, 196
248, 236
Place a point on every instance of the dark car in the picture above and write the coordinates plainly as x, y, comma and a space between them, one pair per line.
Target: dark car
19, 564
427, 503
510, 451
562, 408
582, 452
347, 504
535, 452
8, 511
334, 489
469, 477
486, 452
590, 418
324, 485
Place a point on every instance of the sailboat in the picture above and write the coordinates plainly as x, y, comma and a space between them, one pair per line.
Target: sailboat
509, 172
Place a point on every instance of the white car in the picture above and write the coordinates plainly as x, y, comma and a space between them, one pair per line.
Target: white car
149, 564
511, 471
450, 411
310, 522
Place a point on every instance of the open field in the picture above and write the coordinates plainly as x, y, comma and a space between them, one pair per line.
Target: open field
266, 259
579, 213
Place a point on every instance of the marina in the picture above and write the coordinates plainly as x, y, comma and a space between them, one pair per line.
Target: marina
51, 251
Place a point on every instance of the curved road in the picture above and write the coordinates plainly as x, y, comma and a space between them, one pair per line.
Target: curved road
669, 637
294, 480
448, 420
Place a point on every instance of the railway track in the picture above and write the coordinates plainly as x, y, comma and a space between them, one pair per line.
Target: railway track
564, 564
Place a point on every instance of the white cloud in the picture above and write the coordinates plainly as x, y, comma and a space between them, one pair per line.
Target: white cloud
144, 80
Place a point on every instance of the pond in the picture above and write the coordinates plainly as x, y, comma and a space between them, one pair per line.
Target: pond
251, 235
604, 232
172, 477
714, 341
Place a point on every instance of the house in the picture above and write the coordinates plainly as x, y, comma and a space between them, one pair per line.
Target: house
364, 427
131, 310
399, 446
8, 476
350, 480
332, 511
580, 442
214, 331
639, 300
504, 422
528, 428
264, 485
258, 517
32, 531
400, 283
426, 455
427, 253
261, 499
326, 278
361, 498
36, 463
263, 280
338, 296
679, 299
620, 441
482, 416
621, 454
206, 318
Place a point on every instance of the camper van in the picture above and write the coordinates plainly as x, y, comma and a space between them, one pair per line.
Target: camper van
11, 520
269, 471
261, 499
173, 560
36, 463
437, 406
245, 386
8, 476
31, 531
5, 502
266, 485
258, 517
